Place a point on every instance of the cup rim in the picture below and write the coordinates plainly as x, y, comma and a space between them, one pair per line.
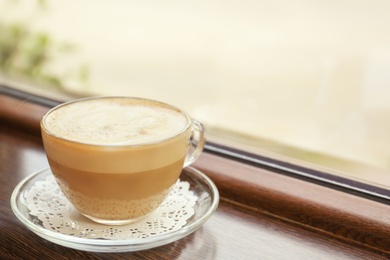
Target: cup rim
48, 132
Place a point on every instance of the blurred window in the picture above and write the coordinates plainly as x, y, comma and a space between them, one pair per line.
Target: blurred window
307, 82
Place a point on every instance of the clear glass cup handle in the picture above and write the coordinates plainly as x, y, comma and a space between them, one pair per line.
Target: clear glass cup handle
197, 141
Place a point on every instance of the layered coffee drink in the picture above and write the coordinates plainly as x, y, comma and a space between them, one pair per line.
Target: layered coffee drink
116, 158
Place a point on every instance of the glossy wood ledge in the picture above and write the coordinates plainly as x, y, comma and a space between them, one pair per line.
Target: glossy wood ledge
262, 214
344, 216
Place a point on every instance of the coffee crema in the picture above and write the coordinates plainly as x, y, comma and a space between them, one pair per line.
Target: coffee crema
115, 121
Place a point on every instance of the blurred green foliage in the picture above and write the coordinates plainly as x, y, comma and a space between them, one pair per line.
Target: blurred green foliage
26, 55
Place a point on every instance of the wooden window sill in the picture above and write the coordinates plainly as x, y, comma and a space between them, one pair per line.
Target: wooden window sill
351, 219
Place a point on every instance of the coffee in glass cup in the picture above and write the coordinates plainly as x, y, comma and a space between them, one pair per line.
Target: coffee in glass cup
116, 158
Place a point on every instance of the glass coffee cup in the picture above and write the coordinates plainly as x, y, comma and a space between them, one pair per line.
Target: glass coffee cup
116, 158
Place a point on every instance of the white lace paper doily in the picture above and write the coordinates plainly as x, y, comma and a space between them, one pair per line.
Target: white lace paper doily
50, 207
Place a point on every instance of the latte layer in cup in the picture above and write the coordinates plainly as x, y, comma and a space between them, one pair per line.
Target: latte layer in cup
116, 158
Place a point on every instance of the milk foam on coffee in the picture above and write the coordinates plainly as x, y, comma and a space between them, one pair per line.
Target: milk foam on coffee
105, 122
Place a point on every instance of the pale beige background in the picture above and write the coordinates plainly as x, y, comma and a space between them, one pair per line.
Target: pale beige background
311, 74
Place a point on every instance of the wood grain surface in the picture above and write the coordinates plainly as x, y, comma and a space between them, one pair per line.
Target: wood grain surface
262, 215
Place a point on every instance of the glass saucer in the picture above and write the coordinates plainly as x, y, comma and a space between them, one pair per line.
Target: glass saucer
206, 202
